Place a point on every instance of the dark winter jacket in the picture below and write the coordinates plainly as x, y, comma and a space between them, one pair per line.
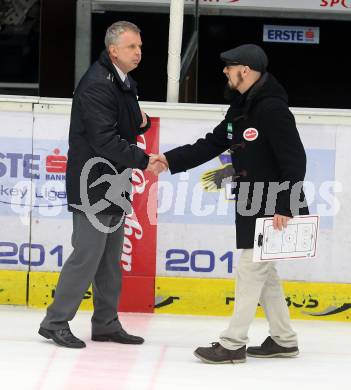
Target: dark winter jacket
261, 133
105, 122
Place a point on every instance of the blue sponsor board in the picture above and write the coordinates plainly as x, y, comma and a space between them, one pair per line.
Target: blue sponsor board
181, 201
291, 34
36, 179
33, 179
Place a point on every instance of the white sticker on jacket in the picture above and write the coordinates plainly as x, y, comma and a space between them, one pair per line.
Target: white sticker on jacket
250, 134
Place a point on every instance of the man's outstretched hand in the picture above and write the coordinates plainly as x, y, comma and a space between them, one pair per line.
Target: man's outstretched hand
157, 164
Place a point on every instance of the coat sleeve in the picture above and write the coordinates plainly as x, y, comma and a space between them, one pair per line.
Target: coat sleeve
204, 149
144, 129
100, 119
280, 129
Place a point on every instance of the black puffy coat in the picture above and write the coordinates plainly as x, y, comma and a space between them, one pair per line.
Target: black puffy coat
270, 150
105, 122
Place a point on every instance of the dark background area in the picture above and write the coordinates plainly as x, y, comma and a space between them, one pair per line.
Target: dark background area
57, 48
19, 45
42, 50
151, 74
314, 75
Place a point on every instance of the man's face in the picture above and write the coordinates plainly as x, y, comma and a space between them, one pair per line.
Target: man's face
126, 53
234, 75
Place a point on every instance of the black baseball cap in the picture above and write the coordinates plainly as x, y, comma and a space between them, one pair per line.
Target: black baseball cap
250, 55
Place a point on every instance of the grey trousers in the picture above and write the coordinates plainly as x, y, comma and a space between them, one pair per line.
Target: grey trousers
95, 259
258, 283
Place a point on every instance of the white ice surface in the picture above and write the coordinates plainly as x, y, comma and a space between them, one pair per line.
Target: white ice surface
166, 361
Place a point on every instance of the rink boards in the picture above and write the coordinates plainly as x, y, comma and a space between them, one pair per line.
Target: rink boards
194, 296
179, 254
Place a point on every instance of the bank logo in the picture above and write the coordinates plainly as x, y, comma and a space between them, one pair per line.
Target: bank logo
31, 166
55, 166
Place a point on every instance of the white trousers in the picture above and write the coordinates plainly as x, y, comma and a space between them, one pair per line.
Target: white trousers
258, 283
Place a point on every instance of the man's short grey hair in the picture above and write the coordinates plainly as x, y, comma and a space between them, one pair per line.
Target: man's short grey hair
116, 29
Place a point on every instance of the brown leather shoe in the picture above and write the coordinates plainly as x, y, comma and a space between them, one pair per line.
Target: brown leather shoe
216, 354
269, 349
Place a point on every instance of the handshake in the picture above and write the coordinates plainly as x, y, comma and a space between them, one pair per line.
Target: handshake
157, 164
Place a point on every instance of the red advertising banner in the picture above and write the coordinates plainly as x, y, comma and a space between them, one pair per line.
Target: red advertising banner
139, 249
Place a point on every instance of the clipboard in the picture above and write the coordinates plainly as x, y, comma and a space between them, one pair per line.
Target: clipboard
296, 242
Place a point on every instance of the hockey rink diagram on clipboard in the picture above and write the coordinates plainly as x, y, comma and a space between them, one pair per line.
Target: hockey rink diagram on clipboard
297, 241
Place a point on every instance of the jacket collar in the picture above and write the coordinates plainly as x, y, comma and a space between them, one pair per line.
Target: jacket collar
105, 61
254, 91
248, 99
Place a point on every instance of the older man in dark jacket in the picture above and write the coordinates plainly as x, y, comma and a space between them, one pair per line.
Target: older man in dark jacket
105, 122
269, 164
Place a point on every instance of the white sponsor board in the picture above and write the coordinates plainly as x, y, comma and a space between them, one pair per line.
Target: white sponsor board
51, 226
291, 34
187, 250
196, 226
296, 5
336, 6
17, 166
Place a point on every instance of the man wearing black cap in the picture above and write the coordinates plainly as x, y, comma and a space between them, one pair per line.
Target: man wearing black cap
269, 164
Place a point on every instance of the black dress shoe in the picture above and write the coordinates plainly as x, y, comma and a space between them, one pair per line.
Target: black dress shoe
63, 337
120, 336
